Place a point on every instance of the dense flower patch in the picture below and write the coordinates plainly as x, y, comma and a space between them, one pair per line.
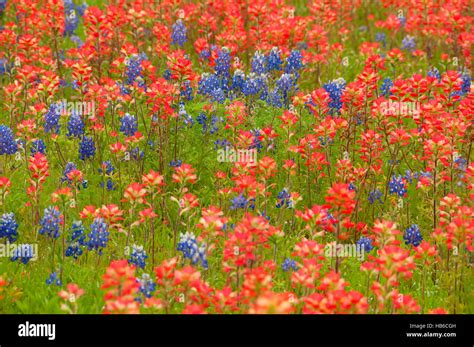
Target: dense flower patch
236, 157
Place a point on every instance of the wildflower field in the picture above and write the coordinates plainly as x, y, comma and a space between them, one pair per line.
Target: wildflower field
230, 156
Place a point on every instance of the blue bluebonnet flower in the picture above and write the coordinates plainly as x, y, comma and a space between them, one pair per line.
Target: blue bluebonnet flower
381, 37
8, 144
86, 148
222, 144
294, 62
375, 195
77, 240
77, 40
461, 163
8, 227
289, 264
24, 253
239, 202
190, 248
217, 95
385, 88
51, 119
167, 74
335, 89
50, 222
434, 72
99, 235
408, 43
238, 80
256, 141
403, 20
147, 286
70, 166
138, 256
3, 5
274, 98
185, 116
107, 168
408, 176
352, 186
284, 199
54, 279
71, 18
75, 126
137, 154
176, 163
134, 69
259, 63
274, 61
465, 85
4, 66
365, 243
208, 83
186, 91
178, 34
412, 235
222, 63
285, 84
128, 125
397, 186
37, 146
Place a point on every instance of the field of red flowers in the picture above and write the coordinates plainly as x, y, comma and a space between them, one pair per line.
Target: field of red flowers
231, 156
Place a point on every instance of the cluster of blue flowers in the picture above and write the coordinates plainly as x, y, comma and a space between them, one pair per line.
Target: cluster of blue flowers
77, 240
134, 71
99, 235
412, 235
8, 144
8, 227
289, 264
386, 86
37, 146
284, 199
178, 33
210, 125
147, 286
365, 243
375, 195
184, 116
240, 202
190, 248
397, 186
50, 222
128, 125
72, 13
335, 89
257, 84
54, 279
107, 169
3, 5
75, 126
138, 256
86, 148
382, 38
51, 119
408, 43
